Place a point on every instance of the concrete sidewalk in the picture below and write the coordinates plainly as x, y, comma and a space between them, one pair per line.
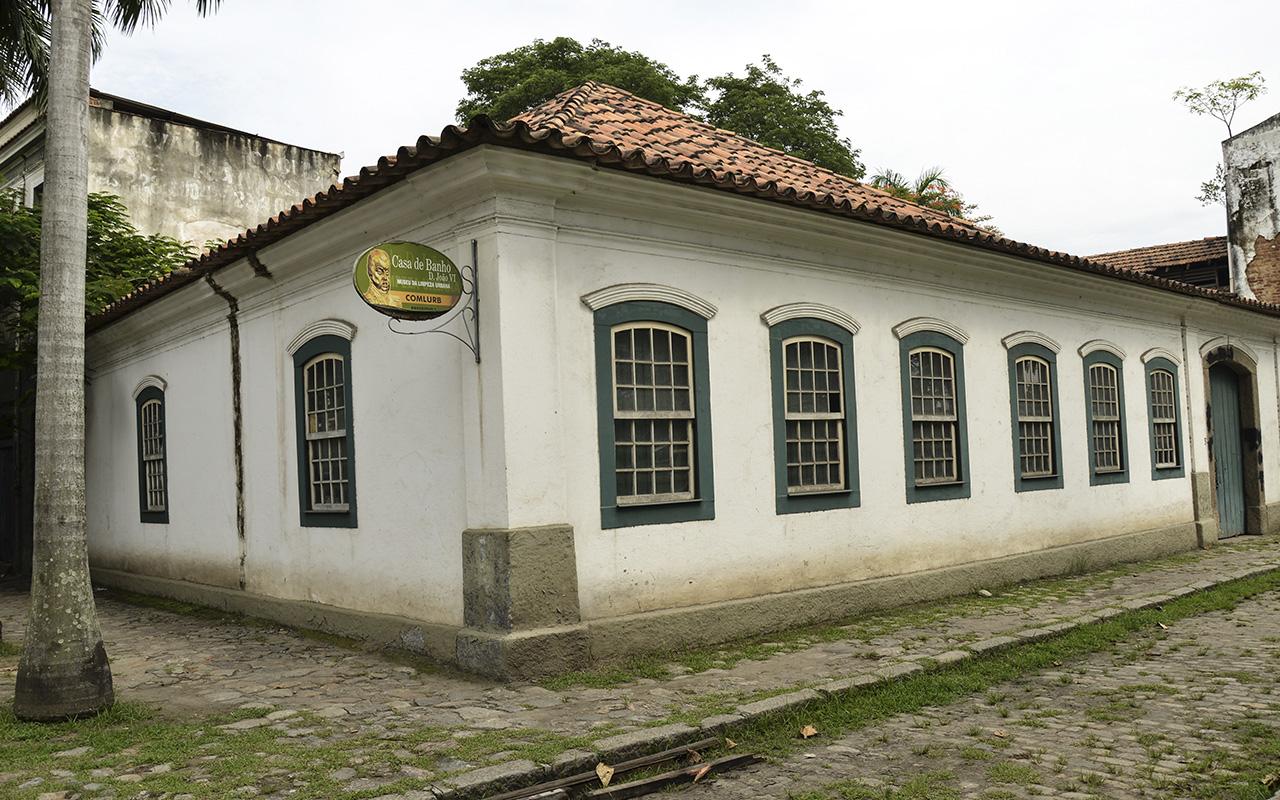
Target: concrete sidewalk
190, 664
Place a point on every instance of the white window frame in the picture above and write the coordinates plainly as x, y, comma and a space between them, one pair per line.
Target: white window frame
1114, 421
837, 416
687, 416
153, 456
952, 420
1024, 419
316, 436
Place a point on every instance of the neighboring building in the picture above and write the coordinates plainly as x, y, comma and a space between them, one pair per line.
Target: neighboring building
1199, 262
179, 176
1252, 160
721, 391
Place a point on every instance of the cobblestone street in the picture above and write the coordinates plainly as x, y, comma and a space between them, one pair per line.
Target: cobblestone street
387, 726
1168, 715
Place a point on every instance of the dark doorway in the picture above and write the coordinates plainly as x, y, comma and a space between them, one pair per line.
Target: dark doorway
1228, 445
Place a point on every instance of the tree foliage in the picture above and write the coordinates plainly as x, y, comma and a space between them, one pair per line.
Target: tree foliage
1221, 99
930, 189
506, 84
765, 105
119, 260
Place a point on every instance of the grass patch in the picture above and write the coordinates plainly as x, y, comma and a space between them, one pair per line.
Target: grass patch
10, 650
929, 786
776, 735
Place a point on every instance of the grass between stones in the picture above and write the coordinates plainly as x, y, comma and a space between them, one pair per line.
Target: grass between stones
1229, 773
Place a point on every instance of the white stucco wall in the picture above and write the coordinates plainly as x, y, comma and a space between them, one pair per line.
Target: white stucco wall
744, 260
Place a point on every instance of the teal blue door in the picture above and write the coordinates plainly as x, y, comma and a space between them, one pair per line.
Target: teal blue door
1224, 402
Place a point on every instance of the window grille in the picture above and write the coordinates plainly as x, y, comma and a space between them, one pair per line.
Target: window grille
1104, 400
153, 462
653, 414
1035, 418
326, 433
815, 418
1164, 419
934, 424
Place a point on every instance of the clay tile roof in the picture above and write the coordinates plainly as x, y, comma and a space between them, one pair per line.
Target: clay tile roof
1174, 254
606, 113
612, 129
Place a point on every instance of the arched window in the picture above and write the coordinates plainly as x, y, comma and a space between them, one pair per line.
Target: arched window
326, 452
1104, 404
1033, 399
933, 403
153, 466
1165, 418
654, 414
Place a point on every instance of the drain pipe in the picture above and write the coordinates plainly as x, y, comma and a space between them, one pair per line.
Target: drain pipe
233, 321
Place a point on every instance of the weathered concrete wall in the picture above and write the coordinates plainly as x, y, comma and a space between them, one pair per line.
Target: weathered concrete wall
197, 184
1253, 209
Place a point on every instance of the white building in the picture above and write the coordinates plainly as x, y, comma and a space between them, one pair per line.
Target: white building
627, 467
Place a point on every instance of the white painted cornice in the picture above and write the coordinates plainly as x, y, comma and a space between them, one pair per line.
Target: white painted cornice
1030, 337
151, 381
919, 324
1094, 345
1159, 352
656, 292
810, 311
1235, 344
325, 327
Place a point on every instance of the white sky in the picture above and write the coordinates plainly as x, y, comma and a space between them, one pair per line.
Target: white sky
1055, 118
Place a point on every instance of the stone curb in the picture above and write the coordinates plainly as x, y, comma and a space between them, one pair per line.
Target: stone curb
486, 781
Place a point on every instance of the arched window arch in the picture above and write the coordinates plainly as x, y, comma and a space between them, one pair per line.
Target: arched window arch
1105, 414
814, 414
654, 412
935, 430
325, 432
153, 461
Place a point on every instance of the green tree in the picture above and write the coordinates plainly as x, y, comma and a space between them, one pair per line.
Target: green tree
509, 83
119, 259
1220, 100
765, 105
930, 189
47, 46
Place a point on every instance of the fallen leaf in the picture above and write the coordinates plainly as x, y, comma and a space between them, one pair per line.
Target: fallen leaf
984, 593
729, 743
697, 776
807, 731
1163, 627
605, 773
999, 733
695, 756
1271, 780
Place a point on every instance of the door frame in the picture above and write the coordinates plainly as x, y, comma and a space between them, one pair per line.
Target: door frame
1244, 364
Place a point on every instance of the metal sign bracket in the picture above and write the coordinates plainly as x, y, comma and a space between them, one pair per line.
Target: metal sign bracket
470, 313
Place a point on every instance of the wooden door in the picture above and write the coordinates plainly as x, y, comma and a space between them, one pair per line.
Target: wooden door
1228, 465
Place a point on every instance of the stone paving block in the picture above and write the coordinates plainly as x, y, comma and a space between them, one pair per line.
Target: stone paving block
897, 671
994, 643
645, 740
495, 779
951, 657
778, 702
571, 761
719, 722
841, 685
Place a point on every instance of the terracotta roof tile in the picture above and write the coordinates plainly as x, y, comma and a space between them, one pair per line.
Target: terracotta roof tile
612, 129
1174, 254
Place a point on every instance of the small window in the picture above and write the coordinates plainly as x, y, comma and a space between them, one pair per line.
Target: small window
37, 194
655, 420
1166, 433
1033, 384
326, 458
1104, 395
815, 433
153, 470
933, 399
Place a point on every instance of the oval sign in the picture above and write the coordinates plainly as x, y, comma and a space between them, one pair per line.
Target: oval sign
407, 280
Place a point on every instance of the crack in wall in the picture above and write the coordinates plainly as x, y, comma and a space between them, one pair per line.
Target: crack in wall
233, 321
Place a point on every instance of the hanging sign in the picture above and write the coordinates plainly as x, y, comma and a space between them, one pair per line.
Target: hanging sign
407, 280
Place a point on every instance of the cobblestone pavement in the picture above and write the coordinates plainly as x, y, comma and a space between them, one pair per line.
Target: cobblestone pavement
1172, 714
192, 665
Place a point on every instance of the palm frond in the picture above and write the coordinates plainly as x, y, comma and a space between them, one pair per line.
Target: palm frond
24, 48
128, 15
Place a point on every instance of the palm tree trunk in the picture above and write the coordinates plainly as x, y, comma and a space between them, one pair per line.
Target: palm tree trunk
64, 670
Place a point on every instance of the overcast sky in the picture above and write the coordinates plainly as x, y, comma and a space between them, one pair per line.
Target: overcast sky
1057, 119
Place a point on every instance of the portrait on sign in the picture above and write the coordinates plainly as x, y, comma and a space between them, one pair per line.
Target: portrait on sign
407, 280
